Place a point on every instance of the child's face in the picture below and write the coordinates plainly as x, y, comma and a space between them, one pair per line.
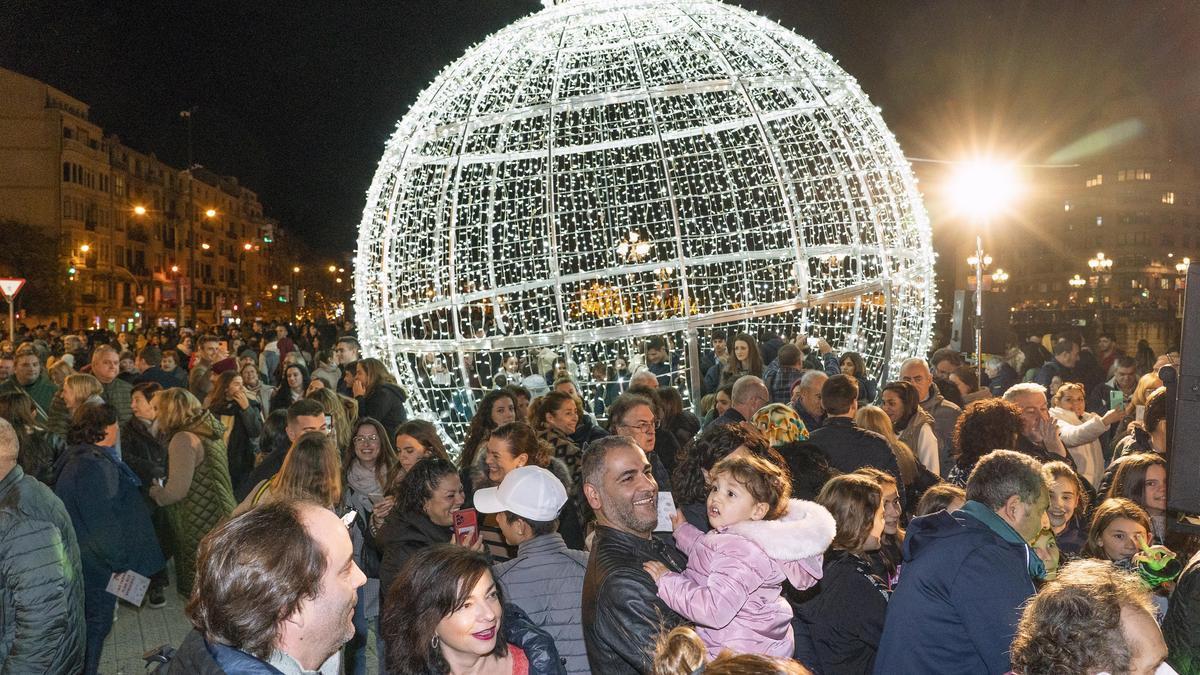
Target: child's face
729, 502
1063, 501
1120, 540
1046, 548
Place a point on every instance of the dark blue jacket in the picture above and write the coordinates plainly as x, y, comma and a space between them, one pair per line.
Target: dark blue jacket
110, 517
956, 606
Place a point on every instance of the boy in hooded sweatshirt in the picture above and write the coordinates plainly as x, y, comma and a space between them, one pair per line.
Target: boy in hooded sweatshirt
732, 586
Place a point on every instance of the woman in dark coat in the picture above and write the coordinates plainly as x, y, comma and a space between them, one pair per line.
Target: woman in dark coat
422, 517
242, 418
378, 395
110, 517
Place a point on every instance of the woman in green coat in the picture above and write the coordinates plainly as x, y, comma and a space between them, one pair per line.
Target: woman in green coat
197, 493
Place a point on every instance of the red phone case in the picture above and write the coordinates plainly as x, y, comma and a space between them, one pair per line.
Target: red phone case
466, 523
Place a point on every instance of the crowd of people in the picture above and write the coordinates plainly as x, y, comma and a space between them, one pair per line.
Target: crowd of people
804, 518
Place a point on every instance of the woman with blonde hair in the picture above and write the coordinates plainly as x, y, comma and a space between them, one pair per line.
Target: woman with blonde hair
342, 429
58, 370
873, 418
78, 388
197, 493
312, 471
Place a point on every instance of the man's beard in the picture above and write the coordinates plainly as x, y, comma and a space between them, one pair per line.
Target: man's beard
625, 514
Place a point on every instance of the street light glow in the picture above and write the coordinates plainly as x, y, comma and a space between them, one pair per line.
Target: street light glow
139, 210
247, 246
295, 270
984, 188
205, 246
332, 269
211, 213
85, 248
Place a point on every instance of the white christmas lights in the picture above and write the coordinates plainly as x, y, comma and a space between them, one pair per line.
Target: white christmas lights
607, 170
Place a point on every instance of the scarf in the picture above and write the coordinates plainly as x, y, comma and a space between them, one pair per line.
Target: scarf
362, 480
996, 524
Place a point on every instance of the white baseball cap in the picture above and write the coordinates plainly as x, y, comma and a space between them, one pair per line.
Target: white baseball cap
528, 491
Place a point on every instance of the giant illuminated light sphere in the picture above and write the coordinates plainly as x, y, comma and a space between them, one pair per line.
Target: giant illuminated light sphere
604, 171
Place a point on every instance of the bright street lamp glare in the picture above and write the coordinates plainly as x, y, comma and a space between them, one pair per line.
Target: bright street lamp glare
139, 210
984, 188
211, 213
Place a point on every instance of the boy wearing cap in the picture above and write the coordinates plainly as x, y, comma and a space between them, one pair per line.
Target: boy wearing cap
546, 577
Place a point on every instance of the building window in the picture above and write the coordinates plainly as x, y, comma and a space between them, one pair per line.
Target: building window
1066, 206
1168, 198
1098, 179
66, 172
1099, 221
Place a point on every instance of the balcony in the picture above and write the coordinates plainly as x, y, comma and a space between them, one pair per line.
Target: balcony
139, 233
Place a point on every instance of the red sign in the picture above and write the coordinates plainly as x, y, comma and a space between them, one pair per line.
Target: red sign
10, 287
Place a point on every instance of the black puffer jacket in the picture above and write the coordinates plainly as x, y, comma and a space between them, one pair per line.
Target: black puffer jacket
386, 404
622, 614
537, 644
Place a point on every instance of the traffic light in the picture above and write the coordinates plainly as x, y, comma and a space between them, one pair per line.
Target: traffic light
71, 272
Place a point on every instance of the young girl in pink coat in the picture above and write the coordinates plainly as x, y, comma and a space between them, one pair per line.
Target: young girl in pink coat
732, 586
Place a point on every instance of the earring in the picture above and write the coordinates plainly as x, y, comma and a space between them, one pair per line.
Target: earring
435, 642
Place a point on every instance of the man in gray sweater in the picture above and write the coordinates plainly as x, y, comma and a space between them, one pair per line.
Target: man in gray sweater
546, 578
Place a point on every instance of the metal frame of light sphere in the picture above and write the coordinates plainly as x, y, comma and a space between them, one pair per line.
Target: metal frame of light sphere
607, 170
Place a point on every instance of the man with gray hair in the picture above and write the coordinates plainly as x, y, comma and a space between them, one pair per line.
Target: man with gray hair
644, 378
944, 413
749, 394
1039, 432
807, 400
41, 597
967, 574
622, 614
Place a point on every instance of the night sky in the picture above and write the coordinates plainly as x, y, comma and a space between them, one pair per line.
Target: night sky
296, 99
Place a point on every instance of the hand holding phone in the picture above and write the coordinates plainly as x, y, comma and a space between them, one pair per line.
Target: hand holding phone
466, 525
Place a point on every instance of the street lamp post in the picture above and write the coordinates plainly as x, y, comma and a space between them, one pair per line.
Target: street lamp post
980, 261
246, 248
982, 189
1100, 265
178, 296
295, 293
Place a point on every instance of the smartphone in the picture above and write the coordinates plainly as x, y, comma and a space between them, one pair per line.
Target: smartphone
812, 343
466, 523
329, 424
1116, 399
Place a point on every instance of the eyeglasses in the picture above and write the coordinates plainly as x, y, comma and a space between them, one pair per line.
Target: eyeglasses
360, 439
644, 427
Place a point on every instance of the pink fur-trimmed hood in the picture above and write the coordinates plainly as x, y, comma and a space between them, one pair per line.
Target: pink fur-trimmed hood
803, 532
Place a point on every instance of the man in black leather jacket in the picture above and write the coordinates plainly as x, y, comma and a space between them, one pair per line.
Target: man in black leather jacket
622, 614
